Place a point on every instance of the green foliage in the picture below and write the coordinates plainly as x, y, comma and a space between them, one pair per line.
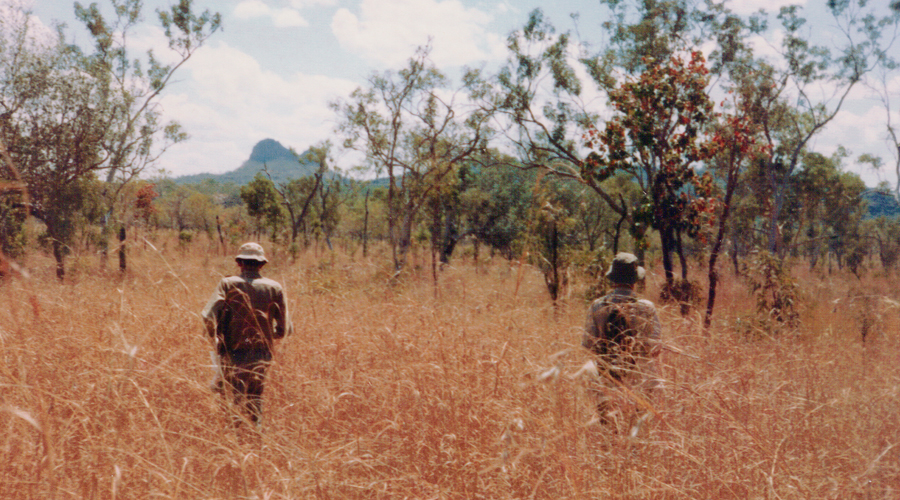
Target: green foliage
824, 203
785, 108
496, 203
263, 202
642, 32
550, 122
592, 266
885, 231
553, 233
71, 206
185, 208
775, 291
71, 116
409, 132
12, 226
185, 237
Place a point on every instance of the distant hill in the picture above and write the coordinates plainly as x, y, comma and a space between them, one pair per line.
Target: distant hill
881, 204
281, 163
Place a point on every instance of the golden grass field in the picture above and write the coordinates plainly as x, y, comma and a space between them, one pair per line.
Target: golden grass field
404, 391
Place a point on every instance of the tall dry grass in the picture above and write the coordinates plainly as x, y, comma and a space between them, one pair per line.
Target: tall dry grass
469, 390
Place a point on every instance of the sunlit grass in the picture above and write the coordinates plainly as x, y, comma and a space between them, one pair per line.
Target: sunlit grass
403, 390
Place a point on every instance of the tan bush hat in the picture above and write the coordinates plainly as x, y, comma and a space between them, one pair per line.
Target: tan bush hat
625, 269
252, 251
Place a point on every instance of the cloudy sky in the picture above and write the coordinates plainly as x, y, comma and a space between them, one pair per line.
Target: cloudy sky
276, 64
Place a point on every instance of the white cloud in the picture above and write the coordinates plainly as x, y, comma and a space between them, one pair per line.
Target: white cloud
14, 16
240, 104
303, 4
284, 17
388, 31
750, 6
288, 18
249, 9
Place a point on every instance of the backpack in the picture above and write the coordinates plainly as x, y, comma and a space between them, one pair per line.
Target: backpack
242, 326
617, 338
618, 329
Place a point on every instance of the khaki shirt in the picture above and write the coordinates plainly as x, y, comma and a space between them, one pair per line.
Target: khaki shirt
247, 312
642, 316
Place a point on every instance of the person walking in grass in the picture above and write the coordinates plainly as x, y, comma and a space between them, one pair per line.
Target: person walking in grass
623, 332
244, 317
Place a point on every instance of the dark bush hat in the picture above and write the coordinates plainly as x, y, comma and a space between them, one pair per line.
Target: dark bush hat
625, 269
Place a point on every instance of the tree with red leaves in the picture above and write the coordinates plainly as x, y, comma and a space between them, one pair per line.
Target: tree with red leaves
657, 136
736, 144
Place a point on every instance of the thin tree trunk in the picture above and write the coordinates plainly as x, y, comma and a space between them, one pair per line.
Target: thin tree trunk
451, 236
553, 279
734, 256
684, 288
622, 219
682, 260
717, 247
365, 235
60, 262
434, 267
403, 243
397, 252
122, 264
221, 236
666, 240
435, 242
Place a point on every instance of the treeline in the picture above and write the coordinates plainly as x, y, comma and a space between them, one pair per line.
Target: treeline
668, 135
506, 211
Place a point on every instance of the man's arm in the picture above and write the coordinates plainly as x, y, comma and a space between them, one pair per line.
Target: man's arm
281, 316
655, 335
591, 332
213, 309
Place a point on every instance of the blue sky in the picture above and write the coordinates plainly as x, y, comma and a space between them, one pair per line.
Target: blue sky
276, 64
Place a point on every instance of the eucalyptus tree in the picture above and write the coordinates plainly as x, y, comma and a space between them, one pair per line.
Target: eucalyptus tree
886, 233
737, 142
414, 129
657, 136
829, 208
131, 88
70, 118
264, 202
795, 110
487, 199
496, 203
316, 196
297, 196
547, 108
559, 121
881, 85
47, 106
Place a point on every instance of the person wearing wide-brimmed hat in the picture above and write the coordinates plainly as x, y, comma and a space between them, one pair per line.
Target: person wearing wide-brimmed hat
244, 317
623, 331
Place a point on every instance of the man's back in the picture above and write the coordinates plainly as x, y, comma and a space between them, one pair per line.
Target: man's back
622, 305
249, 311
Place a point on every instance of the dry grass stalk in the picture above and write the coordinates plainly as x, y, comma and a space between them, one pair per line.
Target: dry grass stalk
387, 392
